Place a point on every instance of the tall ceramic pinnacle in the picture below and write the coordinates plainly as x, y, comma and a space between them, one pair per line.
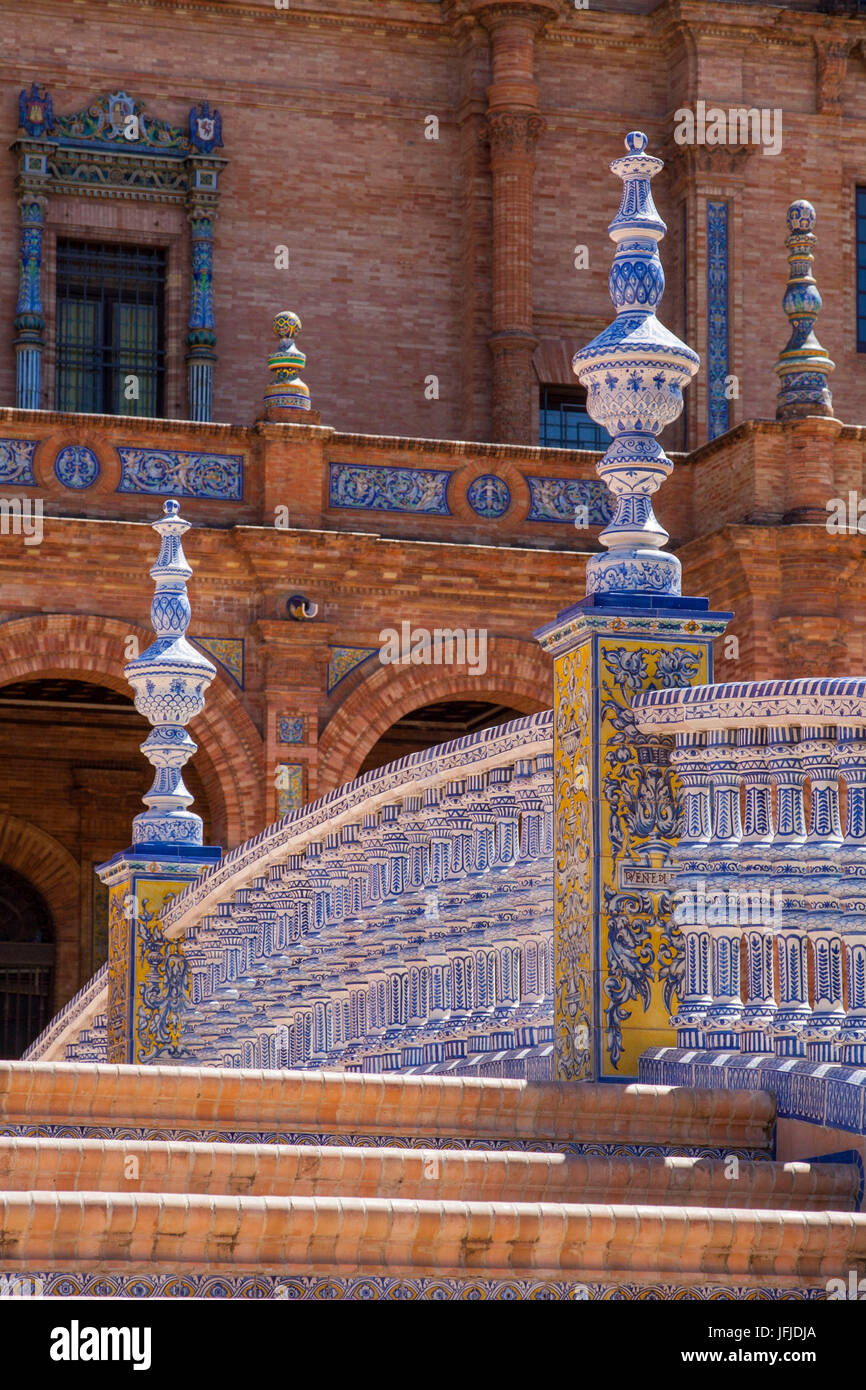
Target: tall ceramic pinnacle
169, 680
803, 366
285, 390
634, 373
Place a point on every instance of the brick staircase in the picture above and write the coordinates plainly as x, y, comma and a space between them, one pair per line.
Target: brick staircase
164, 1181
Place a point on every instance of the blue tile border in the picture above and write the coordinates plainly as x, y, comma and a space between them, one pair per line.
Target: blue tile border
181, 473
16, 462
385, 488
820, 1093
378, 1288
718, 412
555, 499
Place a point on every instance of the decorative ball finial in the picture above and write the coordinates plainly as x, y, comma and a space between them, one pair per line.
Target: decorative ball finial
803, 366
169, 680
285, 390
634, 373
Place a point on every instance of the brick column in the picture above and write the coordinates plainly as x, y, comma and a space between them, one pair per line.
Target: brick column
512, 127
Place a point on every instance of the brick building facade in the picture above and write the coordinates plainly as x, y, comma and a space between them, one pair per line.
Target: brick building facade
408, 258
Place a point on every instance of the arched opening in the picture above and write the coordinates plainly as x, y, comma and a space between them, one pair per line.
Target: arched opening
26, 962
436, 723
77, 775
517, 682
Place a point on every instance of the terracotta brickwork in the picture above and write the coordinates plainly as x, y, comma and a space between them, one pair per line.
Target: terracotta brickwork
212, 1203
742, 513
411, 258
454, 256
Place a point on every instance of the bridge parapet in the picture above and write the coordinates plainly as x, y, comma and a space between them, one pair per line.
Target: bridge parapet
767, 875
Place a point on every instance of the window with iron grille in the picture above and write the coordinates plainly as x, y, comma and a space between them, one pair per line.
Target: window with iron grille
861, 269
564, 422
110, 328
26, 962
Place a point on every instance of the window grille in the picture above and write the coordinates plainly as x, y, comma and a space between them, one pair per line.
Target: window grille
564, 422
110, 328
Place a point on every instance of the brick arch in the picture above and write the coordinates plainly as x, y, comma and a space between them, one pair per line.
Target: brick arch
43, 861
86, 647
519, 674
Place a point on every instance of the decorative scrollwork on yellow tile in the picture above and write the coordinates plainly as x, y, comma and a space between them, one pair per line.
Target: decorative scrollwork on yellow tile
574, 856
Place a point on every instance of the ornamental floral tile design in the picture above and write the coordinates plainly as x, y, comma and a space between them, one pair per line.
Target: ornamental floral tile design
555, 499
380, 1288
489, 496
717, 316
573, 1008
16, 461
639, 960
179, 473
228, 651
291, 728
290, 787
345, 659
379, 488
76, 466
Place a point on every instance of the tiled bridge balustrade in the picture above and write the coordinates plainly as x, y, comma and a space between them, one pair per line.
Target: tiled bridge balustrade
770, 884
402, 921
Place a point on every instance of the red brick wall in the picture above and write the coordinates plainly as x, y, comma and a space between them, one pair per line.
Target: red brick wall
389, 233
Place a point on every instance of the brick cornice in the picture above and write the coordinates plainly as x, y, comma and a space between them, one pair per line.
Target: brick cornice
416, 20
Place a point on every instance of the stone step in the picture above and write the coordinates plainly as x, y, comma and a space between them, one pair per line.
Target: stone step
213, 1102
149, 1233
308, 1170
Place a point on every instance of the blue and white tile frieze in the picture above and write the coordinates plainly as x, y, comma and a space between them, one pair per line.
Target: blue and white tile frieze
16, 462
717, 317
382, 488
180, 473
557, 499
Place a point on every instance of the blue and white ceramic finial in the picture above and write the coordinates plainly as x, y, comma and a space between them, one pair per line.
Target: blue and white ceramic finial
803, 366
634, 373
169, 680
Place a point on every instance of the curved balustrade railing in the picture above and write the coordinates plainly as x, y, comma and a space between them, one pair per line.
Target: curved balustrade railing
770, 887
417, 772
403, 920
83, 1008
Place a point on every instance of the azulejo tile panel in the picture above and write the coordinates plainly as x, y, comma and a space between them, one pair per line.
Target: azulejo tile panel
161, 981
119, 966
181, 473
382, 488
717, 316
291, 728
290, 787
76, 466
345, 659
558, 499
821, 1093
379, 1289
640, 960
377, 1141
16, 462
573, 1010
228, 651
489, 496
